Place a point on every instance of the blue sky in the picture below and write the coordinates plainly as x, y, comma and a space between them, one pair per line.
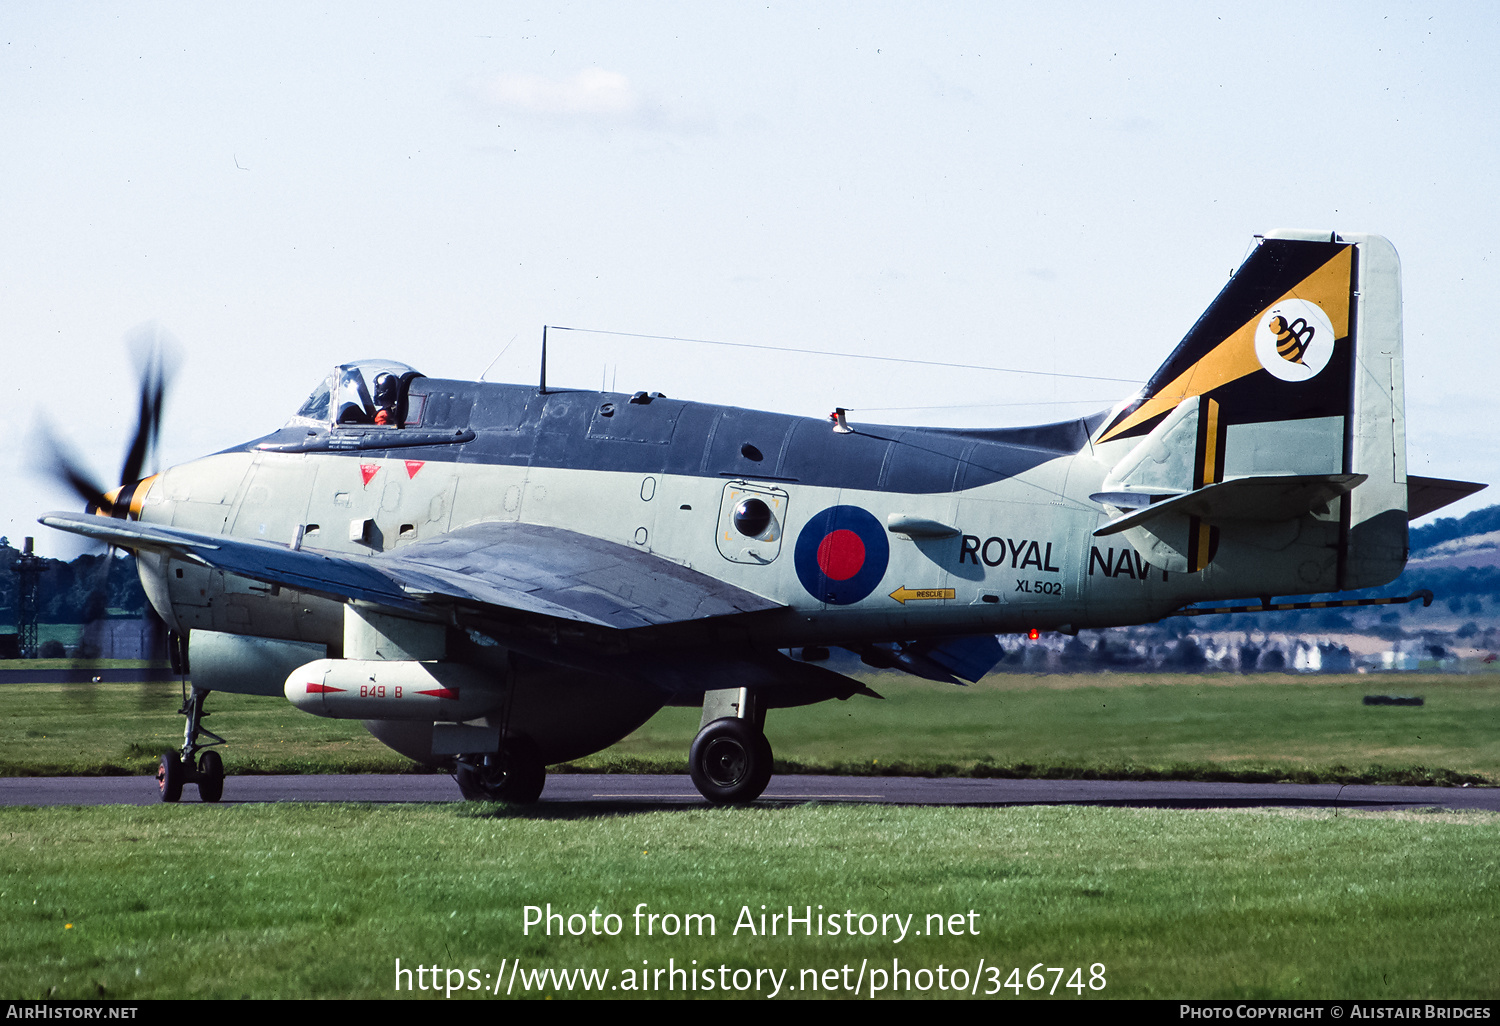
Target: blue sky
1039, 186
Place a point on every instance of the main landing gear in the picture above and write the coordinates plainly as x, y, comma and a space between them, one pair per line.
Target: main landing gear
514, 774
730, 761
206, 769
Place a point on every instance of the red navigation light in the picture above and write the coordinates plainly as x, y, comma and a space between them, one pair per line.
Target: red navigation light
1033, 634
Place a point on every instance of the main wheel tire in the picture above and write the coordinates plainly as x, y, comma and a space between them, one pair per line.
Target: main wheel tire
516, 774
169, 777
210, 776
730, 762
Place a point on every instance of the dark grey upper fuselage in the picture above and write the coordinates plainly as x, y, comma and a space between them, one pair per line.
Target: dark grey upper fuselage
519, 425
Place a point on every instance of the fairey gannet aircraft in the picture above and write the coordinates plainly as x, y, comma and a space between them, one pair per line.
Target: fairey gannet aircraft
498, 577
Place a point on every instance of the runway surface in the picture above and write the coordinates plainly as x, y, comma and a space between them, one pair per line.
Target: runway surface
634, 793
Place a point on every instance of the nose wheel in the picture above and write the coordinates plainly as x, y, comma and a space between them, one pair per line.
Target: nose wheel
730, 761
205, 769
172, 772
169, 777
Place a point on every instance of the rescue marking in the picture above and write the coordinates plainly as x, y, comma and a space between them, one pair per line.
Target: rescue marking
412, 466
904, 594
368, 472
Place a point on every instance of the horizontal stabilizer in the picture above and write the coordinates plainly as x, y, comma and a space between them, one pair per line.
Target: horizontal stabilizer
1425, 495
1269, 498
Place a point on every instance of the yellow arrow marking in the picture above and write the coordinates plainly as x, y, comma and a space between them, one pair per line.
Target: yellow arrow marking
904, 594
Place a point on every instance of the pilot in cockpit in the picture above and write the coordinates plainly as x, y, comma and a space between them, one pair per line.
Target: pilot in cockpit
387, 395
366, 392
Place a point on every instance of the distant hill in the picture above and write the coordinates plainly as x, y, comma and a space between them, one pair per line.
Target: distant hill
1457, 557
1447, 529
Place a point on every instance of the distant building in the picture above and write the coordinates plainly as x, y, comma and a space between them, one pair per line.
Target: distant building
121, 639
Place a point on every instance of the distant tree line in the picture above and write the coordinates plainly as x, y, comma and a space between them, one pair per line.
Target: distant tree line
78, 591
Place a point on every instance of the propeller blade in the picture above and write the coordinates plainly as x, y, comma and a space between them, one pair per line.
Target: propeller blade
59, 462
155, 356
154, 351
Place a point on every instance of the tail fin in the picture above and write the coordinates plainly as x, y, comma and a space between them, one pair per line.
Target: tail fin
1294, 371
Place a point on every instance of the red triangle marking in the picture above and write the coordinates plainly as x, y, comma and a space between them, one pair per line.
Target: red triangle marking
412, 466
441, 693
321, 689
368, 471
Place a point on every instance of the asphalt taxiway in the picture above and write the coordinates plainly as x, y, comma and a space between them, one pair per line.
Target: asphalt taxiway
636, 792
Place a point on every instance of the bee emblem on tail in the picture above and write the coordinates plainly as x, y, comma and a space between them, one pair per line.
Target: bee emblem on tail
1292, 339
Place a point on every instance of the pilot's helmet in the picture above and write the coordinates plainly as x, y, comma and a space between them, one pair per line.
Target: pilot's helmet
386, 388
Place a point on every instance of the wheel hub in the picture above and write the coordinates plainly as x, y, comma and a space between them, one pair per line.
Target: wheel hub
727, 762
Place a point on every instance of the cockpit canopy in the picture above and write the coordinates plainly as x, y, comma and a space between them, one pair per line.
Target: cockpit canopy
363, 392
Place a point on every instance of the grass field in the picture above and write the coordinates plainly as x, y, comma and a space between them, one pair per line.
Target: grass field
1209, 726
320, 901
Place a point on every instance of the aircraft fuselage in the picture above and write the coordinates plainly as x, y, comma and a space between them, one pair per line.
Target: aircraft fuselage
961, 532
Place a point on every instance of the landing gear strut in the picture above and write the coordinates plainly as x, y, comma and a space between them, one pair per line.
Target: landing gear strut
514, 774
730, 761
206, 770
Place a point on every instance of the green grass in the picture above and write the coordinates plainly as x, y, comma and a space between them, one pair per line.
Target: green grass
319, 901
108, 729
1223, 727
1216, 726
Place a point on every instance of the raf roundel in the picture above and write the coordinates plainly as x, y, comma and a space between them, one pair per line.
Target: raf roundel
841, 555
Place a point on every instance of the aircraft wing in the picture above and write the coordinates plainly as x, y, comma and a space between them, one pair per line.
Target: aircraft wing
557, 572
523, 568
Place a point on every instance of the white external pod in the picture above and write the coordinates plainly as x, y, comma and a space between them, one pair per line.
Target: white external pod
391, 689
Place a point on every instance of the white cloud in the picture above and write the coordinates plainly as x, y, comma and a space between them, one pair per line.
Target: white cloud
591, 93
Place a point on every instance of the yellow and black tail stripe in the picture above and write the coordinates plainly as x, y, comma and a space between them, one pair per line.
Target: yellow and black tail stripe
1208, 461
1234, 357
1208, 468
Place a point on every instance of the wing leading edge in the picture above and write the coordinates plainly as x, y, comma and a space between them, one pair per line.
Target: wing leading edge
523, 568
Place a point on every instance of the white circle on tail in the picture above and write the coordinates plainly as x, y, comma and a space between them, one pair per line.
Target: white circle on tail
1294, 340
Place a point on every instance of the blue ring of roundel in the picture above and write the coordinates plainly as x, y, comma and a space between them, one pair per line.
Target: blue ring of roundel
877, 555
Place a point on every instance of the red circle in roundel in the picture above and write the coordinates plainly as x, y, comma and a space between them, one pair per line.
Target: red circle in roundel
840, 555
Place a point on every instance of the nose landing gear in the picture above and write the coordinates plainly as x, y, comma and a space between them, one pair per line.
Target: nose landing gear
205, 770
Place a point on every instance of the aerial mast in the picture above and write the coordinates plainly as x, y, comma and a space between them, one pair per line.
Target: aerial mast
543, 388
28, 567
